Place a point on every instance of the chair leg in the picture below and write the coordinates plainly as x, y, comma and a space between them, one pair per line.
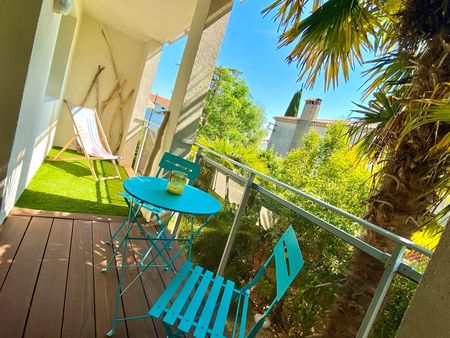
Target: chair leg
160, 234
65, 147
113, 237
123, 242
91, 167
132, 214
116, 168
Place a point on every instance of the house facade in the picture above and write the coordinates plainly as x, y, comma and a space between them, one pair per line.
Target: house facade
288, 131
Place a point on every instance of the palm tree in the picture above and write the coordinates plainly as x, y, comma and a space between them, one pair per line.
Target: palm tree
294, 105
409, 80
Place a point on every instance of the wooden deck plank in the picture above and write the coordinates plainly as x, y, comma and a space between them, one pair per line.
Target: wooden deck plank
18, 288
134, 300
105, 283
66, 215
11, 235
53, 275
51, 271
79, 308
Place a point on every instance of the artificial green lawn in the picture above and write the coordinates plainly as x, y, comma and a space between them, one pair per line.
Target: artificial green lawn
69, 186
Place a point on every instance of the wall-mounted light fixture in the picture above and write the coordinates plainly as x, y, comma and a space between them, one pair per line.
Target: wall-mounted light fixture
62, 6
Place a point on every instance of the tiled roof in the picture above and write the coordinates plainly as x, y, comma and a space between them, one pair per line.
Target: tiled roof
320, 123
292, 119
324, 123
162, 101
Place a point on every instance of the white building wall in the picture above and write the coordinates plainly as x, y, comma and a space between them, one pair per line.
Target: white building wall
133, 125
281, 137
90, 51
37, 117
321, 130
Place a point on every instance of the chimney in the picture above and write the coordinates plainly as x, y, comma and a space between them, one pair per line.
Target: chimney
311, 109
309, 113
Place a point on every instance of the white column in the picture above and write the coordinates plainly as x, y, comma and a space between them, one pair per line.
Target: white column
194, 76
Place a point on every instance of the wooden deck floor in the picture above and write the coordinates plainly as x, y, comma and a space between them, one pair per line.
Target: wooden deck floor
51, 283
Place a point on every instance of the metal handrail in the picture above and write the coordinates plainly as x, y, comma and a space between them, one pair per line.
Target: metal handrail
146, 124
397, 239
393, 262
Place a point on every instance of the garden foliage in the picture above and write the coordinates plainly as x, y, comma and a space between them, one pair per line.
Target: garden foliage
230, 112
324, 167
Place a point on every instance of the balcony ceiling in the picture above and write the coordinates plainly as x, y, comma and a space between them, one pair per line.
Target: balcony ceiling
143, 19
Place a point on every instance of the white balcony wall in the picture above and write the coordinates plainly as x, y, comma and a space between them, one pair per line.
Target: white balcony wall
14, 61
133, 125
130, 55
39, 109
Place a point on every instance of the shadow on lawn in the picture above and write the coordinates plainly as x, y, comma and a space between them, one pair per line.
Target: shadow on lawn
75, 168
52, 202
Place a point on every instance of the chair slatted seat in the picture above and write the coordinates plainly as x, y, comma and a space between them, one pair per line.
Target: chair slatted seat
198, 300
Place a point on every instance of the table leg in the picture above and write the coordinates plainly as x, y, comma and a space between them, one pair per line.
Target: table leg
119, 286
124, 240
131, 209
160, 234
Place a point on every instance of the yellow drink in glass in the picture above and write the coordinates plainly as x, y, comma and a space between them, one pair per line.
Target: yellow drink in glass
177, 182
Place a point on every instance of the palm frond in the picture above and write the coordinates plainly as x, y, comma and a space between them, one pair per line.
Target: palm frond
439, 112
373, 130
330, 40
288, 11
387, 73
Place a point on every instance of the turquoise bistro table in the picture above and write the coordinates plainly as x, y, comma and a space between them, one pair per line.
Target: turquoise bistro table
152, 190
193, 202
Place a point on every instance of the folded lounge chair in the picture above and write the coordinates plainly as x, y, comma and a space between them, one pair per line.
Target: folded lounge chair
91, 138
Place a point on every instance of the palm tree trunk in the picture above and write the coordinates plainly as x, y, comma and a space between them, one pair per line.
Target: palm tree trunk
394, 206
402, 198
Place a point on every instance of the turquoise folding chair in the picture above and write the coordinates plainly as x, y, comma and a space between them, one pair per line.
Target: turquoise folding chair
204, 313
168, 163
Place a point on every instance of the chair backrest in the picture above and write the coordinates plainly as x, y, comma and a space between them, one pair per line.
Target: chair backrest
87, 128
288, 261
288, 264
171, 162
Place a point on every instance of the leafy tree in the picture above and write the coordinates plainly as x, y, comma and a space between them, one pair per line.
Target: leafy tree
248, 155
410, 80
294, 105
230, 112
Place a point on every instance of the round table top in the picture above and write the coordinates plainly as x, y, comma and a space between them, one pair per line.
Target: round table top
152, 190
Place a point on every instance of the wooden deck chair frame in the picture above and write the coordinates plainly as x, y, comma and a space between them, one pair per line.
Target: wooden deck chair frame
87, 157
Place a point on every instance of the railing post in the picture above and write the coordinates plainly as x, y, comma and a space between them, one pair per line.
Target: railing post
141, 148
236, 222
390, 269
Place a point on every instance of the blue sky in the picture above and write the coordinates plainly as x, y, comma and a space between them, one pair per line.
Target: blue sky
250, 45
